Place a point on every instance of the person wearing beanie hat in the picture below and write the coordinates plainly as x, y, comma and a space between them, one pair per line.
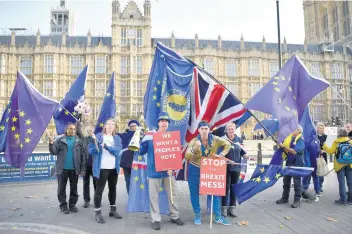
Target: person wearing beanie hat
204, 145
155, 179
126, 154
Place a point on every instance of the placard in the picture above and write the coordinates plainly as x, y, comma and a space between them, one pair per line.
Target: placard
167, 151
212, 176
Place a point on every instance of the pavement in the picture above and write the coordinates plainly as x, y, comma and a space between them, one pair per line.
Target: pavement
33, 208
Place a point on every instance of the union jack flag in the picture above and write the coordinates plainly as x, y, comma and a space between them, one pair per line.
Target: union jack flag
212, 102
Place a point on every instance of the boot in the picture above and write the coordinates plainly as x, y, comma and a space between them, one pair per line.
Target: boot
113, 213
296, 204
232, 211
99, 217
224, 211
282, 201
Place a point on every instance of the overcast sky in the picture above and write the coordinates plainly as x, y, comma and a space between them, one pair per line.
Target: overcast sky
208, 18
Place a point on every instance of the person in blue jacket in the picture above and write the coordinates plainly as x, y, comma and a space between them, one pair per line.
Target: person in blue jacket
155, 179
105, 149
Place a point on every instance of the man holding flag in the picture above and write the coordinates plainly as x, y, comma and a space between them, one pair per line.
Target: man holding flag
293, 147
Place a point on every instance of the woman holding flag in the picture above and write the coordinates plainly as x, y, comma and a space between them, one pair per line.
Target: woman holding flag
105, 149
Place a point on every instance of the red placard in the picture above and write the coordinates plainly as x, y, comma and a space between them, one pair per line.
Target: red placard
167, 151
212, 176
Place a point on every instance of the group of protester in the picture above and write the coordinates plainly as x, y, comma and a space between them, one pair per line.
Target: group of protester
101, 156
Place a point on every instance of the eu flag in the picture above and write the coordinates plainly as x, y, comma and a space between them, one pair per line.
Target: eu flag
168, 90
264, 177
108, 109
4, 126
138, 198
64, 114
28, 116
287, 94
272, 125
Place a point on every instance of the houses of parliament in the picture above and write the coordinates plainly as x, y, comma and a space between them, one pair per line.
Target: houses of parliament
52, 62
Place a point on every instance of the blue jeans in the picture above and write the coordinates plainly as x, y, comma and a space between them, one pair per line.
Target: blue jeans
341, 174
316, 182
193, 184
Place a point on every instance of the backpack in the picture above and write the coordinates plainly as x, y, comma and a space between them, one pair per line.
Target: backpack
344, 153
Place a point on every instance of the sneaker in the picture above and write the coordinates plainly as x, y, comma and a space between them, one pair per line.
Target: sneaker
281, 201
86, 205
349, 203
318, 194
340, 202
296, 204
73, 209
222, 220
156, 225
178, 221
65, 210
197, 220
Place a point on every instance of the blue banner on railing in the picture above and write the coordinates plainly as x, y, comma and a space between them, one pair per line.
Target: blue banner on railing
40, 166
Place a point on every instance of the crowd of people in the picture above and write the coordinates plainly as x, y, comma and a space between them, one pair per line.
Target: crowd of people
101, 156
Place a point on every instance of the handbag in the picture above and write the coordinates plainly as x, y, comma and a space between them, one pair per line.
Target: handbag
322, 166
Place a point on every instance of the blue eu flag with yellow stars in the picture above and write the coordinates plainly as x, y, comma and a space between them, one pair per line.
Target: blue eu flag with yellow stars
265, 176
4, 123
169, 89
108, 109
66, 114
287, 94
27, 117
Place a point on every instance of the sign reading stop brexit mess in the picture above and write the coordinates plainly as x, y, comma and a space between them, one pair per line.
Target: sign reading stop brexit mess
167, 151
212, 176
40, 166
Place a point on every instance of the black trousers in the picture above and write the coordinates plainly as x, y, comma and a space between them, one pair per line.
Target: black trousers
127, 174
297, 184
111, 176
61, 190
86, 183
231, 179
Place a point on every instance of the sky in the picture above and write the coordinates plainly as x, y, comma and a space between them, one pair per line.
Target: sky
207, 18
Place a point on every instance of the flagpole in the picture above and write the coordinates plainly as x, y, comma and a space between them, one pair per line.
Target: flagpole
278, 32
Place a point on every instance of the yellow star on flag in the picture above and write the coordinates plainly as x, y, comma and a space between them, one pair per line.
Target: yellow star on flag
29, 131
135, 167
22, 114
254, 179
141, 186
7, 119
28, 122
27, 140
14, 119
258, 179
158, 104
154, 97
101, 125
294, 97
13, 128
108, 94
74, 113
289, 88
155, 89
280, 100
17, 136
278, 175
140, 158
294, 112
287, 108
9, 110
283, 78
262, 169
275, 83
277, 89
136, 178
161, 189
159, 82
21, 145
276, 78
2, 128
266, 179
66, 112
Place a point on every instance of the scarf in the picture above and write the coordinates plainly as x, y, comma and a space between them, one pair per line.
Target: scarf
287, 143
206, 150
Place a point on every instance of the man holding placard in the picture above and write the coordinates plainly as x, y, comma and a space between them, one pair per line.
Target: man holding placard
204, 145
157, 178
